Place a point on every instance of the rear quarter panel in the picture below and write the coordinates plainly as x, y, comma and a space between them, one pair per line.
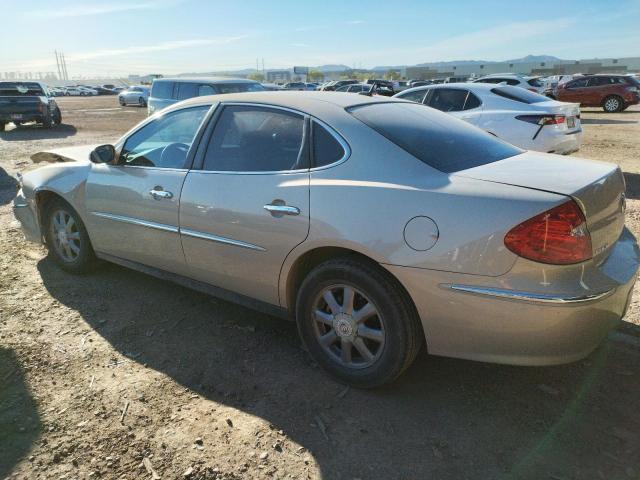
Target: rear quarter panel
365, 203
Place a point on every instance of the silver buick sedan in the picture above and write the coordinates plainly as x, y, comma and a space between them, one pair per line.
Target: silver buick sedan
380, 225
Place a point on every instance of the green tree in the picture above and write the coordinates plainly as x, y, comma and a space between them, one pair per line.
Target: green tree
257, 76
315, 75
392, 75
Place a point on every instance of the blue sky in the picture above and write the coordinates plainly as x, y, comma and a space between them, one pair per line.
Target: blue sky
172, 36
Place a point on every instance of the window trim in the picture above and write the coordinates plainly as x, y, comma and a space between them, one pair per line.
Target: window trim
466, 98
192, 151
198, 165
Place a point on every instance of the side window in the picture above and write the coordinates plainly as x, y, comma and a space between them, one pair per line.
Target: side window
206, 90
326, 149
511, 81
162, 90
187, 90
472, 101
416, 96
165, 142
578, 83
448, 99
256, 139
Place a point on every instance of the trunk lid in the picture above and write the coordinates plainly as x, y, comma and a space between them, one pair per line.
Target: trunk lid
597, 187
570, 110
17, 105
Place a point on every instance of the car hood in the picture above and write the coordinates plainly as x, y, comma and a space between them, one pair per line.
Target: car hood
66, 154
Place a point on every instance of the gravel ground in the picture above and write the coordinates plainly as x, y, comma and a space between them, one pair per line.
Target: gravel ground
117, 375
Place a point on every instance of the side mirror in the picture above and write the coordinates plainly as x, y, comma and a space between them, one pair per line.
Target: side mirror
103, 154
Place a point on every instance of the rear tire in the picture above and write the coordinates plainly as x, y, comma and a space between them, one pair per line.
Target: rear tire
142, 102
47, 122
121, 101
613, 104
57, 117
67, 239
2, 125
367, 341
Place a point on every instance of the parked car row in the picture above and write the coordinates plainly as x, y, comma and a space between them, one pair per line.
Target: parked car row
379, 224
84, 90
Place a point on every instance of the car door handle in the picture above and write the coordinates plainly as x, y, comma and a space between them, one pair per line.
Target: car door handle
160, 194
279, 210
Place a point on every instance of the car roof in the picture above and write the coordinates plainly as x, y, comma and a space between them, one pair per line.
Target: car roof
205, 80
306, 101
467, 85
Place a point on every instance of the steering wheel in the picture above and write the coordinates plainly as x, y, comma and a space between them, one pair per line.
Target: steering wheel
174, 155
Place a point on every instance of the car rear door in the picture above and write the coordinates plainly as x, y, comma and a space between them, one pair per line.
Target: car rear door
133, 206
245, 205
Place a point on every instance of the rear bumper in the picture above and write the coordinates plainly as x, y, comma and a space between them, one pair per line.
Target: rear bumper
27, 217
25, 117
560, 142
482, 318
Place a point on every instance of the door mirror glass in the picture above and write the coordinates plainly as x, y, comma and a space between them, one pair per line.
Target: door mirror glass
103, 154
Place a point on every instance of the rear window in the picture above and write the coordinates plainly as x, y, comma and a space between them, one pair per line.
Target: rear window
20, 89
535, 82
162, 90
519, 94
239, 87
438, 139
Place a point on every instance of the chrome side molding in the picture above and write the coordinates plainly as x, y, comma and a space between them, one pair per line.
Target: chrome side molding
527, 296
137, 221
224, 240
183, 231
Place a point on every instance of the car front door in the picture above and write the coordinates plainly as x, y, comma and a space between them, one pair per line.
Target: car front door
133, 205
246, 205
575, 91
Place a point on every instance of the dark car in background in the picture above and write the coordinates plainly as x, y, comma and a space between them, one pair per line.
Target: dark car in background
167, 91
22, 102
614, 93
336, 84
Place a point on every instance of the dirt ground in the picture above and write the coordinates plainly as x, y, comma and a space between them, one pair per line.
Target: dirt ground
116, 375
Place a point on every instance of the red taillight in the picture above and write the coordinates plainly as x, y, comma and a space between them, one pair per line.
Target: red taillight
543, 119
558, 236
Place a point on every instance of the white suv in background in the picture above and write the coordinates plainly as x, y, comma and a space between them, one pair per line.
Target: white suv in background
533, 84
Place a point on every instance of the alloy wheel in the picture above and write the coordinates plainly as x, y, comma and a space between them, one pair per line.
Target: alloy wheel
612, 105
348, 326
66, 235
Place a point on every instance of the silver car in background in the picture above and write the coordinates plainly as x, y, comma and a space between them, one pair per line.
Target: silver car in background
136, 95
378, 224
167, 91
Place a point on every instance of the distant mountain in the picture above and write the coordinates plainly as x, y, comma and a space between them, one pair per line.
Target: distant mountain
332, 68
384, 68
536, 59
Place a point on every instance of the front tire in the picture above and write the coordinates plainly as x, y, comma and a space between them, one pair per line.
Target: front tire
2, 126
142, 102
357, 322
122, 102
613, 104
67, 239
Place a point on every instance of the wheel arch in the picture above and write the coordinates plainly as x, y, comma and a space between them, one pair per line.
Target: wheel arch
299, 268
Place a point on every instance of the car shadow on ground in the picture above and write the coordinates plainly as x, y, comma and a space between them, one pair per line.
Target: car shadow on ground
632, 180
32, 131
20, 424
445, 418
8, 187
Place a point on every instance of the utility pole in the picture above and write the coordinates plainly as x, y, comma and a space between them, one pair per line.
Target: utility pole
64, 67
262, 65
58, 65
